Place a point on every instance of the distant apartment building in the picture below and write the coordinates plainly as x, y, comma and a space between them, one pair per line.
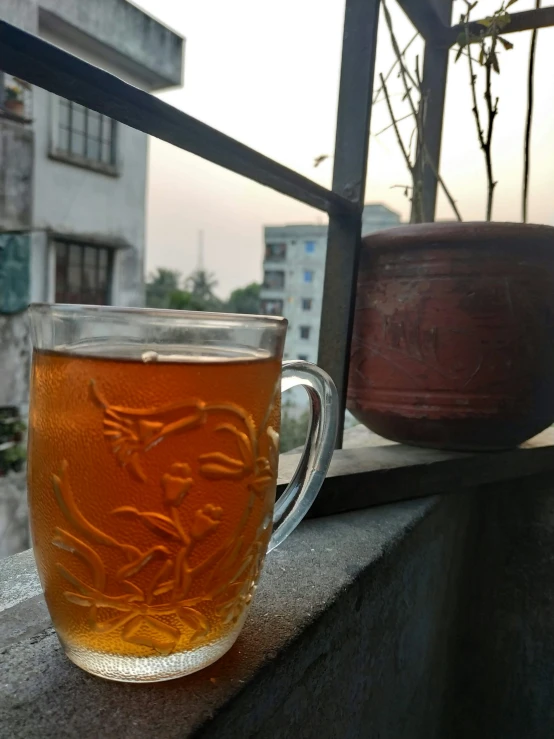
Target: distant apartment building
294, 270
73, 181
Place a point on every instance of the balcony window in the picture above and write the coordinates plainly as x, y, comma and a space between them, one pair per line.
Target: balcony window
275, 252
309, 247
274, 279
83, 273
305, 332
272, 307
307, 304
308, 275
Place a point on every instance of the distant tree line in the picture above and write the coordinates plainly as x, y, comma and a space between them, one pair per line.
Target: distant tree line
166, 288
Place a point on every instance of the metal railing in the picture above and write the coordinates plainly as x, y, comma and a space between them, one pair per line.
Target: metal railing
40, 63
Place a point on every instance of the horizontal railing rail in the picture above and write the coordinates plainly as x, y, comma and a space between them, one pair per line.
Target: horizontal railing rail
41, 63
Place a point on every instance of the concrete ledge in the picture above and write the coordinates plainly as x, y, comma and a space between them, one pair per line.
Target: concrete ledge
111, 170
427, 619
332, 577
385, 473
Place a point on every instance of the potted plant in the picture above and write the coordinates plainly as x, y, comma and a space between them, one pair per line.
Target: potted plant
12, 449
13, 99
453, 332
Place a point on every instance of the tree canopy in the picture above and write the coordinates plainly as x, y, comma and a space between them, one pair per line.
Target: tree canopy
166, 288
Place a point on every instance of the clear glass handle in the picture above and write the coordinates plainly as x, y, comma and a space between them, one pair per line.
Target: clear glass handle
293, 505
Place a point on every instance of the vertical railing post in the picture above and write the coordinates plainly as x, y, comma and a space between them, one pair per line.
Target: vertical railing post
349, 176
435, 70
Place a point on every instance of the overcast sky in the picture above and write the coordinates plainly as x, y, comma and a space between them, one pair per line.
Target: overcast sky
266, 72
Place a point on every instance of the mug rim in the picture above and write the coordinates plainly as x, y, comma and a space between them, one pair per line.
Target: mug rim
232, 318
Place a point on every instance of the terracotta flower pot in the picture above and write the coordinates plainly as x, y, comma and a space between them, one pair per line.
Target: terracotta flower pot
453, 343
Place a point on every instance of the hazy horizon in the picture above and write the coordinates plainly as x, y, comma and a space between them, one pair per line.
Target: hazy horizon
268, 75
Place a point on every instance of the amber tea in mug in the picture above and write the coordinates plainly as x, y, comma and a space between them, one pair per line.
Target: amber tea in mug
154, 441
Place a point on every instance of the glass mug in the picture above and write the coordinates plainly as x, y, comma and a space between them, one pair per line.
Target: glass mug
153, 451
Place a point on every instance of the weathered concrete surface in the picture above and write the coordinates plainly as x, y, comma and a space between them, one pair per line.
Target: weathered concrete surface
136, 40
14, 515
21, 13
15, 358
19, 580
362, 476
16, 175
348, 637
432, 619
505, 663
108, 208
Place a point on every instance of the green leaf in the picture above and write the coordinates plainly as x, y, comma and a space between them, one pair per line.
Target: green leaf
505, 43
459, 53
487, 22
494, 62
511, 2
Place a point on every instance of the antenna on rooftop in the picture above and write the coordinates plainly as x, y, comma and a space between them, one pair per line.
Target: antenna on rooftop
200, 264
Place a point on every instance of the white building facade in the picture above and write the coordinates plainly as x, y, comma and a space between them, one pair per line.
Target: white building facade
72, 197
294, 270
72, 215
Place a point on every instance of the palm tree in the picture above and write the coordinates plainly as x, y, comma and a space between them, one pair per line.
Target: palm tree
160, 285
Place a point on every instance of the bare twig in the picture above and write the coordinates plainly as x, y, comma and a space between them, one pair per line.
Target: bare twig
441, 182
530, 102
420, 146
492, 110
412, 136
405, 74
320, 159
488, 39
473, 84
394, 124
488, 57
398, 120
411, 83
393, 67
415, 217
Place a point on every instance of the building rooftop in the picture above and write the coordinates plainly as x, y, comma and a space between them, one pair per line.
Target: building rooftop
372, 212
296, 229
379, 210
121, 33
